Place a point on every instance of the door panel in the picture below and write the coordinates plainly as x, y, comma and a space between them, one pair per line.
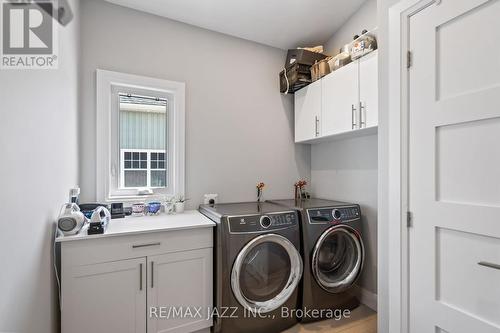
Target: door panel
103, 298
181, 280
307, 112
368, 90
340, 99
454, 163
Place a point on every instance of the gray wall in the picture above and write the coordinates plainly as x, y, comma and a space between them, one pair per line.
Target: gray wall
39, 153
346, 170
364, 18
239, 129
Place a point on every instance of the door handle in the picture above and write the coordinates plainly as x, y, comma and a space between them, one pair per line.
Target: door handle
145, 245
140, 277
489, 265
152, 274
353, 110
362, 123
316, 125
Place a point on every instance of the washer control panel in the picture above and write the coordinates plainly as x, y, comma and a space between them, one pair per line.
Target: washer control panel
333, 214
261, 223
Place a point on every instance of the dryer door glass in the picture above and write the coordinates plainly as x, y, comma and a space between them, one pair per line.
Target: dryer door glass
337, 258
266, 273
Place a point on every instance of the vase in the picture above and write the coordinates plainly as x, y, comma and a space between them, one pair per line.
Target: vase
179, 207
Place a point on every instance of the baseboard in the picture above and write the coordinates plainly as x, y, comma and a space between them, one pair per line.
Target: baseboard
367, 297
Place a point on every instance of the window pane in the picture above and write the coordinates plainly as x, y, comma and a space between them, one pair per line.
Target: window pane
161, 165
158, 178
161, 156
136, 178
128, 164
143, 132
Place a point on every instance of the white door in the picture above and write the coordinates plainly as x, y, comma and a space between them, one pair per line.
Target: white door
307, 112
368, 90
180, 280
340, 99
104, 298
454, 168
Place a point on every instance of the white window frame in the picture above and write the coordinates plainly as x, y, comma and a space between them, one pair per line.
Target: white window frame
107, 128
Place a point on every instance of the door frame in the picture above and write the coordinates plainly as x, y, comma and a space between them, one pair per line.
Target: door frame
398, 299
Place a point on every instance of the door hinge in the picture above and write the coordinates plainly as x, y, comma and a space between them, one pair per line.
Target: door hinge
409, 219
409, 59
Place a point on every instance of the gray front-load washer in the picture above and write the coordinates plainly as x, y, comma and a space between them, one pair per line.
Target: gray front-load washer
258, 266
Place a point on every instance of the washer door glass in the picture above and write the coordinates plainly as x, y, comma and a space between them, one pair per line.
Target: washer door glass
337, 258
266, 272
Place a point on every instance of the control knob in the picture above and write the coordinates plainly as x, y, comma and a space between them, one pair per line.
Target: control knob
265, 221
336, 214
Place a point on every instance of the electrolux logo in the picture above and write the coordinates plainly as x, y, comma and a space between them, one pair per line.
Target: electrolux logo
28, 35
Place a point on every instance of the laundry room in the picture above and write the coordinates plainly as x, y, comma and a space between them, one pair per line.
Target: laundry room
249, 166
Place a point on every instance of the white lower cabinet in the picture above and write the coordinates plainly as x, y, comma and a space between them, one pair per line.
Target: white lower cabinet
180, 280
131, 284
105, 297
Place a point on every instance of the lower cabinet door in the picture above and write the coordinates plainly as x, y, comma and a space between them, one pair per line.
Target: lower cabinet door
180, 291
105, 298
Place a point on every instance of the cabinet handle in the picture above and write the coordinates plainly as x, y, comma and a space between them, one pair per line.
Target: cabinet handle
362, 123
152, 274
489, 265
145, 245
316, 125
140, 277
353, 110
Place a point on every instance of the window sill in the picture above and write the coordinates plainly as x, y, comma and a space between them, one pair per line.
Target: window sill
136, 198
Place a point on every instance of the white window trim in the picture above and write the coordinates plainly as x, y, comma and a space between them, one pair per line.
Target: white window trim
107, 81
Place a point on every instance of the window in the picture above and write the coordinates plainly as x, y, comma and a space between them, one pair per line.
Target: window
140, 124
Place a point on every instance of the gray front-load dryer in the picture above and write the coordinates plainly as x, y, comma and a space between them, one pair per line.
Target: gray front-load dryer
333, 255
258, 266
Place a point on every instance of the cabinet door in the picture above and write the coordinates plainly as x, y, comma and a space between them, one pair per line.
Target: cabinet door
339, 102
104, 298
180, 281
368, 89
307, 112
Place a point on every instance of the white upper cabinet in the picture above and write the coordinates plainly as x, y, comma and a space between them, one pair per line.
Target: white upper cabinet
308, 112
368, 90
339, 101
344, 102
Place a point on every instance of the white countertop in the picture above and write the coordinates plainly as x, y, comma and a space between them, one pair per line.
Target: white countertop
146, 224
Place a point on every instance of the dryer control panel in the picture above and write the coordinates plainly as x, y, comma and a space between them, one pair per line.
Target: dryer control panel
261, 223
333, 214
